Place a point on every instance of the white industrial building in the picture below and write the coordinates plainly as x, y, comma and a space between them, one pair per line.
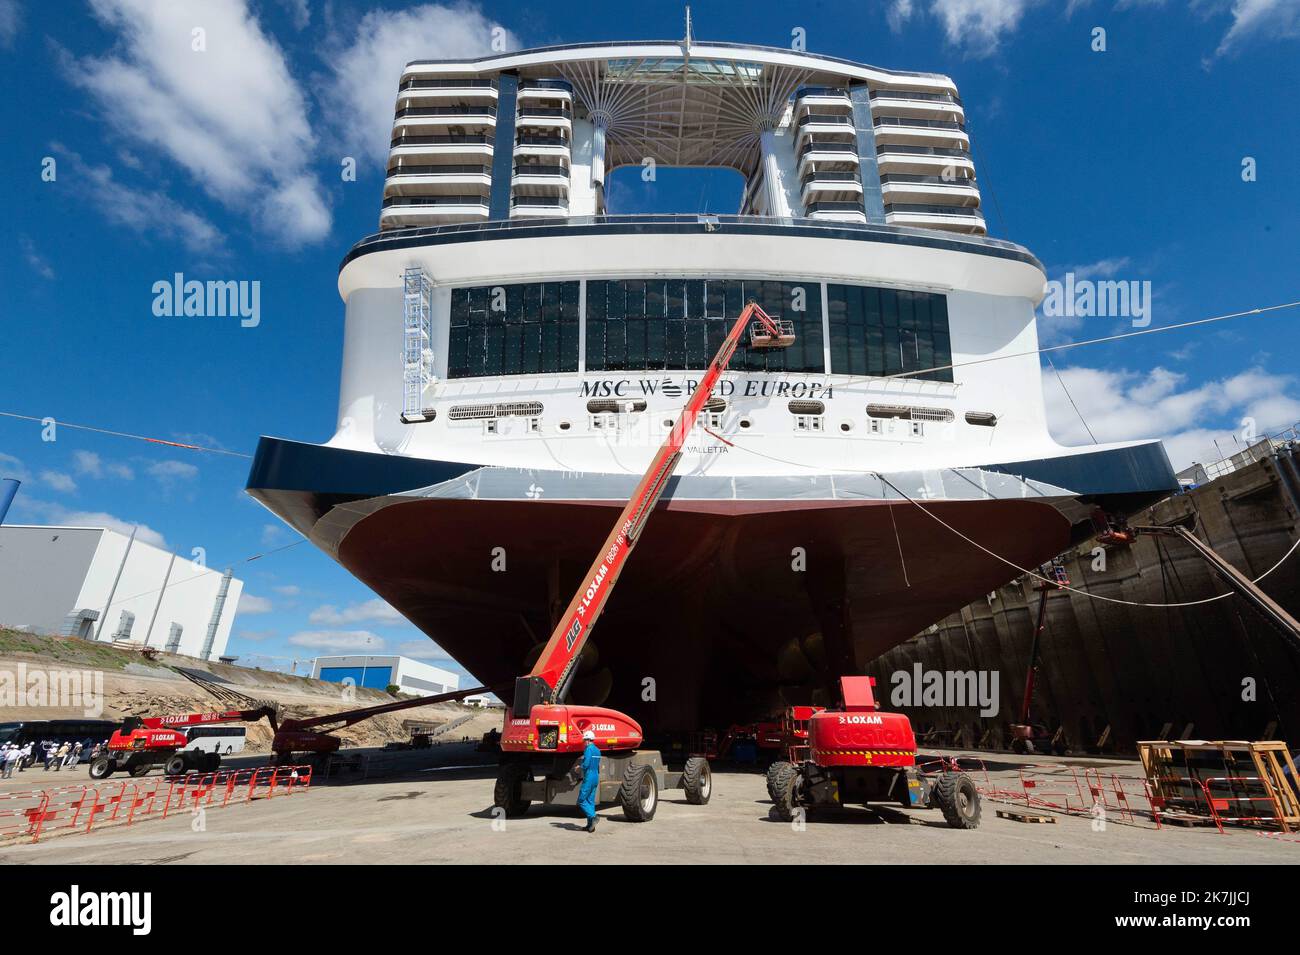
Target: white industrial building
98, 584
381, 672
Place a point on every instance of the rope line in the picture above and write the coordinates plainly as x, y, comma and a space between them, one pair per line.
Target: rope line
1010, 563
125, 434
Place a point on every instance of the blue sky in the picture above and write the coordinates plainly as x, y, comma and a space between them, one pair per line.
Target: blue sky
1124, 163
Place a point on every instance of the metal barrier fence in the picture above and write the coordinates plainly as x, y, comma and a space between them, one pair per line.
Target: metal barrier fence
33, 813
1060, 788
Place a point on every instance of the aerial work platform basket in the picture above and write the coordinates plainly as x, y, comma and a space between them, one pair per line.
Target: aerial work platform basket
772, 333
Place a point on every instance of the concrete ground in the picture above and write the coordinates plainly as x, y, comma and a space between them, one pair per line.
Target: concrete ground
441, 815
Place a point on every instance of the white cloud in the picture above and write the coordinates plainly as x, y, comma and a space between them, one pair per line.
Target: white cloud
58, 481
272, 534
148, 212
33, 258
10, 20
371, 611
421, 650
368, 66
252, 604
899, 12
362, 640
1101, 269
978, 26
288, 590
254, 636
1253, 19
1124, 405
171, 471
90, 464
230, 114
143, 532
12, 467
299, 12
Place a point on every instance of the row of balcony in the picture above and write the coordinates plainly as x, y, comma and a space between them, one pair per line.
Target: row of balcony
885, 102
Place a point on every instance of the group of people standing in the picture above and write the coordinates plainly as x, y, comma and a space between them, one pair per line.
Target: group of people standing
56, 755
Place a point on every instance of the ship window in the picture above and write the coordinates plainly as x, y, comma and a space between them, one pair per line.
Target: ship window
881, 331
673, 324
513, 330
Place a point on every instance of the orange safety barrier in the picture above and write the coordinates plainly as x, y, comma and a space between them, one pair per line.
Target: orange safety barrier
1053, 787
80, 808
1119, 794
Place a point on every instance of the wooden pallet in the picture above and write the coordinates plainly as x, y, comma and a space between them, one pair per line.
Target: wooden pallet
1016, 816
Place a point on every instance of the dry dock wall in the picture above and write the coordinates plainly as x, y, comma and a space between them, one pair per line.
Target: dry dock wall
1136, 669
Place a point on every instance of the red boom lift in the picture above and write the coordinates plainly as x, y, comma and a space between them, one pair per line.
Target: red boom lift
542, 736
858, 755
144, 742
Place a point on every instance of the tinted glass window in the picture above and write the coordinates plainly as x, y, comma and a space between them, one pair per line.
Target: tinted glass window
881, 331
513, 330
672, 324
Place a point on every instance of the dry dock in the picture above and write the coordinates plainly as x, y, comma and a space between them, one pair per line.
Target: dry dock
442, 816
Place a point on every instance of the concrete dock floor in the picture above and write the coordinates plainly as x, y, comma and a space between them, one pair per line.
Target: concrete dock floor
440, 815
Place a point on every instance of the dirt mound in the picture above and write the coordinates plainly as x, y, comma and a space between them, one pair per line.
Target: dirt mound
135, 685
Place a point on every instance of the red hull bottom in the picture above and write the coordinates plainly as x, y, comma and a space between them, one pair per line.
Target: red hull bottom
727, 611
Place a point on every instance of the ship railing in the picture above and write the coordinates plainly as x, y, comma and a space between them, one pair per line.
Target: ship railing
710, 221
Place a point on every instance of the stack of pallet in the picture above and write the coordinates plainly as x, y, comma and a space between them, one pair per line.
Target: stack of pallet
1225, 782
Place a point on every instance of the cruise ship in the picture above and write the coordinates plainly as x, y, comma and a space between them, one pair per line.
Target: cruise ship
514, 352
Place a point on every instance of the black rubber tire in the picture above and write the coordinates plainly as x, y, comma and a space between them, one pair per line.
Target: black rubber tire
959, 800
506, 792
785, 790
772, 772
139, 769
102, 767
176, 765
697, 780
639, 793
1019, 746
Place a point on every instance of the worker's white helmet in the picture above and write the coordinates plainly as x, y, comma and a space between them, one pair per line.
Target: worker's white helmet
589, 734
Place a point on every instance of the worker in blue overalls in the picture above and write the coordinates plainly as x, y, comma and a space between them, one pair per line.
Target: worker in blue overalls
590, 779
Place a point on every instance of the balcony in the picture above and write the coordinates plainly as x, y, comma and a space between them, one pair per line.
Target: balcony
950, 218
923, 160
447, 145
421, 179
414, 88
841, 156
545, 146
540, 176
556, 89
924, 132
901, 187
824, 125
836, 211
545, 117
406, 211
912, 103
538, 206
469, 118
822, 98
823, 184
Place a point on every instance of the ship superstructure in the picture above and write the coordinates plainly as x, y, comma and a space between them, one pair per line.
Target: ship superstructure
514, 354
